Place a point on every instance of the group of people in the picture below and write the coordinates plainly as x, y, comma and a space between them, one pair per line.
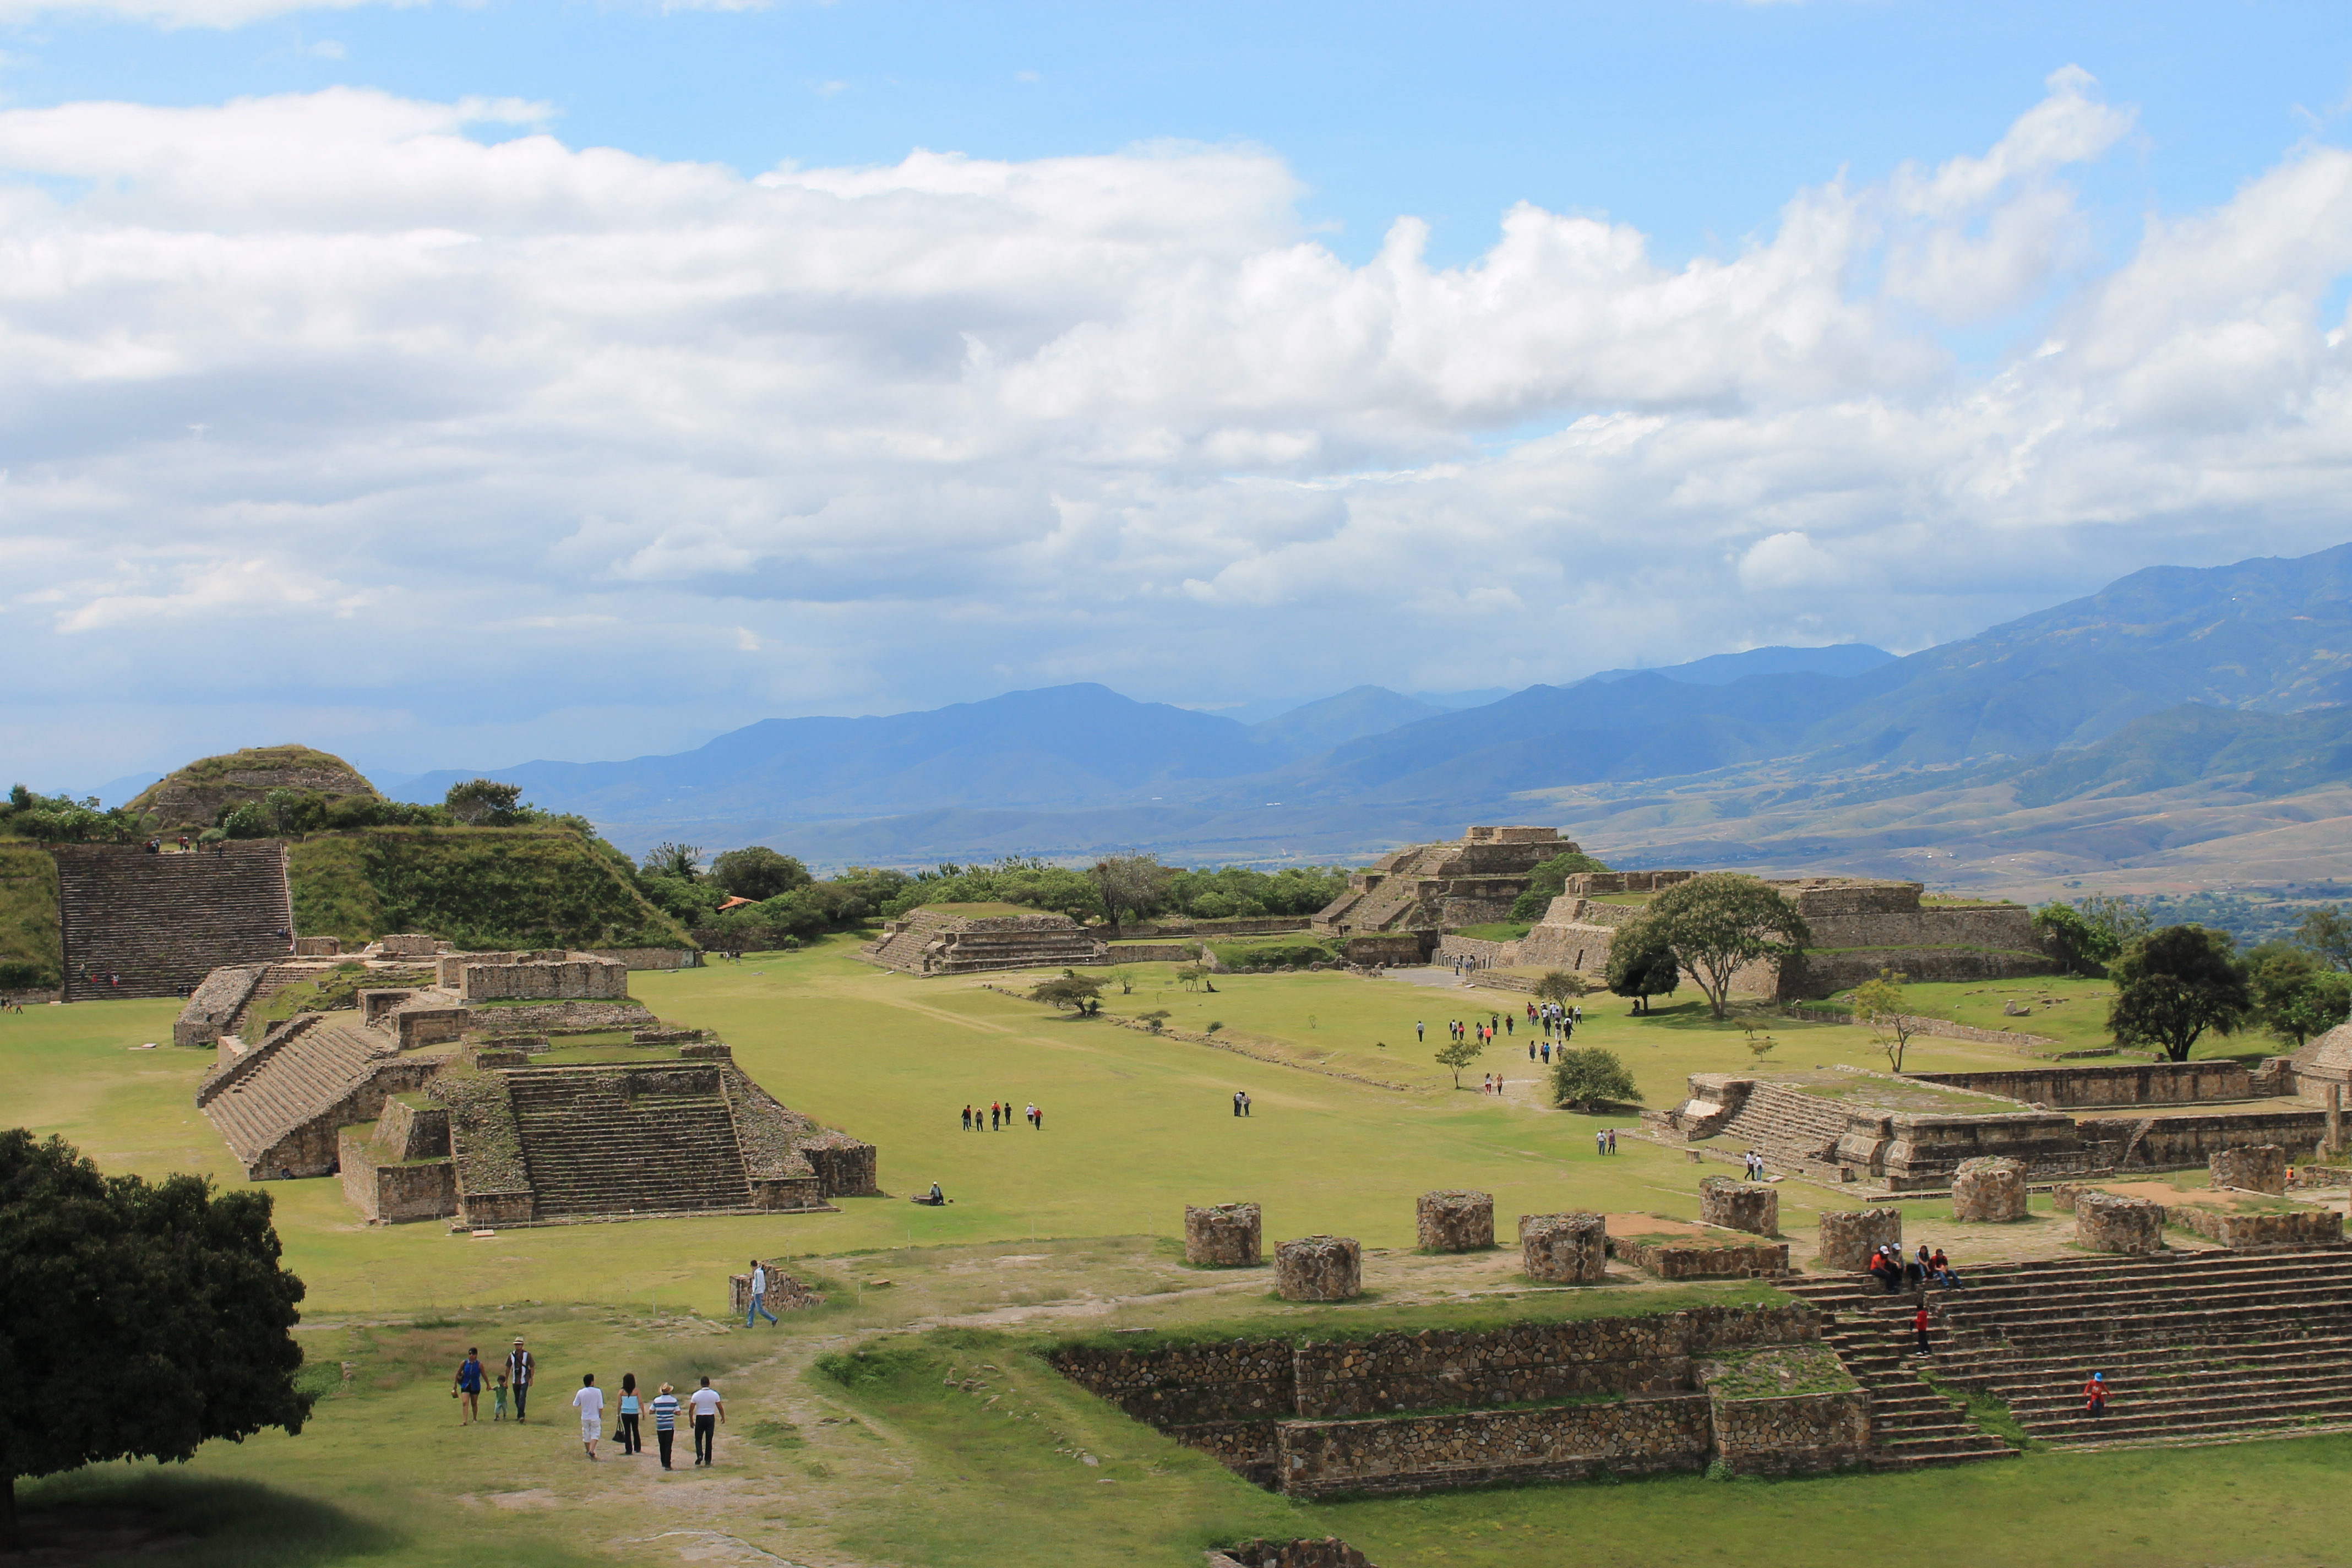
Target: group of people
1890, 1270
1554, 1017
703, 1406
1000, 1116
1753, 1162
1604, 1141
1491, 1084
1241, 1102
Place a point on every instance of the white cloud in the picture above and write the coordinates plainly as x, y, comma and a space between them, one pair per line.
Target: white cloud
319, 397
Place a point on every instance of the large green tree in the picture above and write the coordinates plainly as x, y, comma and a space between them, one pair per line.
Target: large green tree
1547, 881
1640, 963
758, 873
2326, 931
2295, 995
2174, 985
1130, 885
1715, 923
138, 1319
1591, 1078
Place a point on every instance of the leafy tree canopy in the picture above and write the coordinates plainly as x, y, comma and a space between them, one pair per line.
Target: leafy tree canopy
758, 872
2326, 931
2174, 985
144, 1320
2295, 995
479, 803
681, 862
1560, 986
1716, 922
1591, 1076
1642, 964
1070, 991
1459, 1054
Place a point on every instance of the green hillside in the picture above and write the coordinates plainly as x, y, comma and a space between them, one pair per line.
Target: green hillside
29, 951
482, 888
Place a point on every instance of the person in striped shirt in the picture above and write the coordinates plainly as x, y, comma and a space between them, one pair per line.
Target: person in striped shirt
665, 1407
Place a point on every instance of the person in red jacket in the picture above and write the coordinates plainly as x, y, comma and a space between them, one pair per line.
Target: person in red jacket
2094, 1396
1919, 1324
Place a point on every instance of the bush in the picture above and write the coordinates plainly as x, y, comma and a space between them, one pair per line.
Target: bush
1275, 955
758, 873
1592, 1077
1549, 880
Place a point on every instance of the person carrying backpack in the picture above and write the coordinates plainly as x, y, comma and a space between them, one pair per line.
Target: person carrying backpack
468, 1388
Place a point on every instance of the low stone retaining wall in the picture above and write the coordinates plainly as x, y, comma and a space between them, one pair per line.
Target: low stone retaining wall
2173, 1142
2310, 1228
1798, 1434
1240, 925
785, 1293
1943, 1028
648, 957
1478, 950
1504, 980
1223, 1236
2255, 1168
2104, 1222
1426, 1453
2145, 1083
1399, 948
387, 1189
1700, 1260
1739, 1206
1989, 1192
1155, 952
1328, 1552
1849, 1236
1319, 1268
1454, 1221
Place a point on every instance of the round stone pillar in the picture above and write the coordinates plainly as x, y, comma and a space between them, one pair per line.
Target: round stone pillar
1739, 1206
1989, 1191
1454, 1221
1564, 1248
1319, 1268
1850, 1235
1222, 1236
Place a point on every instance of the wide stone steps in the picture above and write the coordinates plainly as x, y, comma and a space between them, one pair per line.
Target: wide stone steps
2196, 1348
294, 1083
1911, 1424
606, 1154
162, 922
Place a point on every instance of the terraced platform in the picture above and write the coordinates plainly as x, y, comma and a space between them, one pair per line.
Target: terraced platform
668, 1145
150, 925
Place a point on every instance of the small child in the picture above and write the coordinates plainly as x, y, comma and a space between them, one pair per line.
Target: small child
499, 1410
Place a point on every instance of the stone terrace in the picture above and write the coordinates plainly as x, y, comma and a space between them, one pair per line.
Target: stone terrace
929, 941
164, 921
2197, 1347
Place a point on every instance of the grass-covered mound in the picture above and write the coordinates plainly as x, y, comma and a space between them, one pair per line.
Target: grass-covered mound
195, 795
30, 953
482, 888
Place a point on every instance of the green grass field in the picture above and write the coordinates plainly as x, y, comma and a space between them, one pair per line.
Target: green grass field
1070, 1231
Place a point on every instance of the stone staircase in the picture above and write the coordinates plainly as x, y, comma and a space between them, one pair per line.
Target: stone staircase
257, 1105
1911, 1424
1797, 1132
591, 1148
164, 921
2197, 1347
902, 946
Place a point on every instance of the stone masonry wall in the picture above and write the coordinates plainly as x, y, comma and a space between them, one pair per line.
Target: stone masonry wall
1564, 1248
1422, 1452
2104, 1222
1849, 1236
1989, 1192
1223, 1236
1739, 1206
2179, 1141
1454, 1221
2251, 1168
2084, 1088
1796, 1435
571, 980
1764, 1260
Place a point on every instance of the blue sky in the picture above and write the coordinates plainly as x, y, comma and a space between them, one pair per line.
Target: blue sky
454, 384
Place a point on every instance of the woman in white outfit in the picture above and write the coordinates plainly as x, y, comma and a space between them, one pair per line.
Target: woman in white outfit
590, 1402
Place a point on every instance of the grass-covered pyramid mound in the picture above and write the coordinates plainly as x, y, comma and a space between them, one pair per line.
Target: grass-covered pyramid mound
195, 795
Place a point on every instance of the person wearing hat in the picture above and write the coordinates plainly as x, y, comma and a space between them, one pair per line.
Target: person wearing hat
519, 1367
2094, 1396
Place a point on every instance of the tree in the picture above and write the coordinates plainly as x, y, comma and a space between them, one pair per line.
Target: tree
1190, 975
758, 873
1155, 1020
2328, 933
2115, 922
143, 1318
2070, 939
1640, 963
482, 801
2295, 997
1459, 1054
1718, 922
1129, 884
1879, 1003
1560, 986
2173, 984
1070, 989
680, 862
1591, 1078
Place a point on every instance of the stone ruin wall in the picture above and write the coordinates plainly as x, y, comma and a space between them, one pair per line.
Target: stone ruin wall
2097, 1087
1454, 1220
1848, 1237
1319, 1268
1989, 1192
1564, 1248
1223, 1236
1696, 1260
2253, 1168
2104, 1222
1487, 1447
569, 979
1328, 1552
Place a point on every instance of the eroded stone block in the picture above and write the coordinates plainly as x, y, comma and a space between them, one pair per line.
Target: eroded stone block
1564, 1248
1850, 1235
1456, 1220
1223, 1236
1989, 1191
1739, 1206
1319, 1268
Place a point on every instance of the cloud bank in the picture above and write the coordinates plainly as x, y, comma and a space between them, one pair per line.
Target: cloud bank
404, 428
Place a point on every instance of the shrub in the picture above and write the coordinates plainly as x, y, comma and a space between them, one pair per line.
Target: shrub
1591, 1076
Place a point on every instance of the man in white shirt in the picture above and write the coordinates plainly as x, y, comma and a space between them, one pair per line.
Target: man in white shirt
759, 1290
520, 1368
708, 1411
590, 1402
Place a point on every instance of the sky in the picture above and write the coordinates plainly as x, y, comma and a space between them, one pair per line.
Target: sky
453, 385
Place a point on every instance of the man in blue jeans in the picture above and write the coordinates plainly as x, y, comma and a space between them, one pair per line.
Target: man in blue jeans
759, 1290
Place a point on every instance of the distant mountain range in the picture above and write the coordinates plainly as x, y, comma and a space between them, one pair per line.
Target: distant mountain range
2227, 683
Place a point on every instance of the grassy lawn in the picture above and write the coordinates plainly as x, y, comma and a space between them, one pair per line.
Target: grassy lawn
1068, 1231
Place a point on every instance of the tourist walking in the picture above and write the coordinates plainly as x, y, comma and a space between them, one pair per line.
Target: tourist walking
468, 1388
759, 1294
966, 1118
1919, 1326
633, 1439
520, 1368
1612, 1139
1245, 1103
710, 1410
1237, 1103
1420, 1032
589, 1402
500, 1412
2094, 1396
1033, 1118
665, 1422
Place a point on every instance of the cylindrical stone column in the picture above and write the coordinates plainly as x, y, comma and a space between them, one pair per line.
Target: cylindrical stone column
2106, 1222
1222, 1236
1989, 1191
1319, 1268
1739, 1206
1850, 1235
1454, 1221
1564, 1248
